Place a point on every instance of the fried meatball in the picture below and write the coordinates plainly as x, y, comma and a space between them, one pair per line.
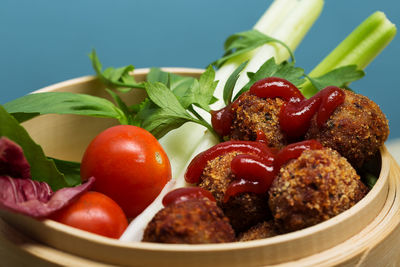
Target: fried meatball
252, 114
243, 210
262, 230
313, 188
356, 129
195, 221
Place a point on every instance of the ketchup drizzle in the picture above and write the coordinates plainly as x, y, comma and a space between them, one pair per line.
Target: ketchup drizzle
186, 193
221, 120
295, 114
254, 168
273, 87
197, 165
254, 175
293, 151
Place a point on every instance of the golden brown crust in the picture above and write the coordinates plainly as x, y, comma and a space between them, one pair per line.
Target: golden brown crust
190, 222
253, 114
356, 129
313, 188
243, 210
262, 230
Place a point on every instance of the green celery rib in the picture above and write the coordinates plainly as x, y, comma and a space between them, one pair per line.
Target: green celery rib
292, 31
359, 48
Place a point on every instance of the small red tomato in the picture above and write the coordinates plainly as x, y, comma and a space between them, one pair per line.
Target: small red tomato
129, 165
95, 213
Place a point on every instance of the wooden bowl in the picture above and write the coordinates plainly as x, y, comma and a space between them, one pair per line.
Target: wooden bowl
361, 235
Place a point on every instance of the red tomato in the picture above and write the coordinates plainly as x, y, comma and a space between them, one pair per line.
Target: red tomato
129, 165
96, 213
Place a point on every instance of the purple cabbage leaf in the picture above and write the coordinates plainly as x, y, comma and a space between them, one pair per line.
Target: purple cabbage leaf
19, 193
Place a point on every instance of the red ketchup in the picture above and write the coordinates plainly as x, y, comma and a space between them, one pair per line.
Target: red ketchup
254, 175
293, 151
255, 167
273, 87
197, 165
221, 120
295, 115
297, 111
186, 193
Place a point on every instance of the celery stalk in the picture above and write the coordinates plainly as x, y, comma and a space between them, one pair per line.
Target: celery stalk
269, 21
292, 20
359, 48
175, 143
292, 31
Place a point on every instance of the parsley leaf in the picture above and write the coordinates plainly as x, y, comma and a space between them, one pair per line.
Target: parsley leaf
165, 99
169, 102
201, 92
162, 111
243, 42
339, 77
118, 78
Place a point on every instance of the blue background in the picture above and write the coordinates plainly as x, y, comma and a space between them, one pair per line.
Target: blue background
47, 41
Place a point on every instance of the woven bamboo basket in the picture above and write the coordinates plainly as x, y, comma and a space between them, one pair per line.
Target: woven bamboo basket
368, 234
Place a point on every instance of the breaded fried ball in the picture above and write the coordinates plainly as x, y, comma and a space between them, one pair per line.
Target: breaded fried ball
252, 114
356, 129
194, 221
259, 231
313, 188
243, 210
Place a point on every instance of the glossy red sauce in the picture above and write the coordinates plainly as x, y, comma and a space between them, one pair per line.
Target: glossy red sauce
197, 165
261, 137
186, 193
273, 87
254, 175
296, 113
293, 151
295, 117
254, 168
221, 120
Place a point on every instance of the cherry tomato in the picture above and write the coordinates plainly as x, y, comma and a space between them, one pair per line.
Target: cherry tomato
129, 165
94, 212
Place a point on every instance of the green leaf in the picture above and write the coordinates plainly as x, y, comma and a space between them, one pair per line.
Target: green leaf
157, 75
162, 112
121, 104
161, 122
31, 105
370, 179
244, 42
118, 78
339, 77
70, 169
176, 83
370, 170
230, 83
42, 168
285, 70
165, 99
169, 98
201, 92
